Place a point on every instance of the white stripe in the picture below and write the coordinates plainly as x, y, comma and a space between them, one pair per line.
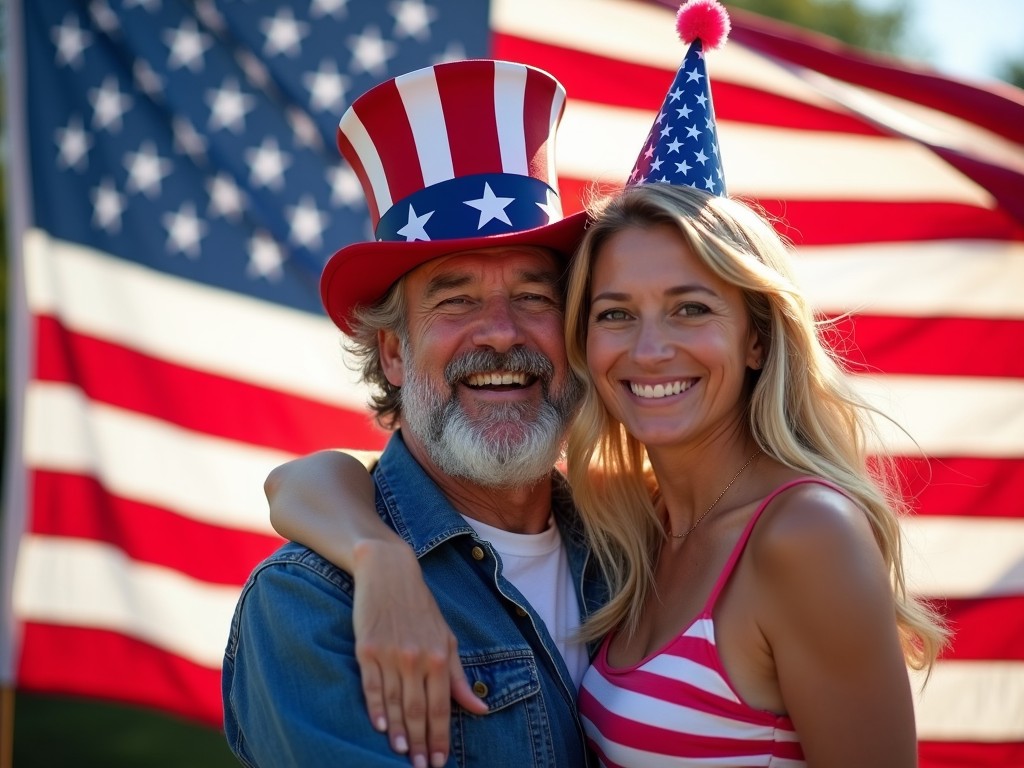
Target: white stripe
961, 278
189, 324
354, 130
971, 701
557, 107
208, 479
948, 415
421, 98
74, 582
964, 557
509, 101
791, 165
602, 143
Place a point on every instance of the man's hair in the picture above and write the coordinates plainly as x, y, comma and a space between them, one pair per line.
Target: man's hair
387, 314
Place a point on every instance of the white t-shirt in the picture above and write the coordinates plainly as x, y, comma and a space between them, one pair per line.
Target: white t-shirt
536, 564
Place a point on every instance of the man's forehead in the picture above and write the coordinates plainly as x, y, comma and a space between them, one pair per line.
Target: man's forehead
523, 262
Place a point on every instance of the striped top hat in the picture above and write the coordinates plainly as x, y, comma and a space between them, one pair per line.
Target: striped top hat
454, 157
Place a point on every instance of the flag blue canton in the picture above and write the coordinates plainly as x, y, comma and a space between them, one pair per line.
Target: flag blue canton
682, 146
202, 134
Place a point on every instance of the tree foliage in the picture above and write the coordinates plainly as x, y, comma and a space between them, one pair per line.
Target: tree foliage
882, 30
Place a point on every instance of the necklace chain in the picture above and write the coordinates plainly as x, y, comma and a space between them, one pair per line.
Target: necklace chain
714, 503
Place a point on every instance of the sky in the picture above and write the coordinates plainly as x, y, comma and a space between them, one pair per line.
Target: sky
966, 38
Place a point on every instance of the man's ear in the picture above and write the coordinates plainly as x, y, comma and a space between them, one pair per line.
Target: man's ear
391, 361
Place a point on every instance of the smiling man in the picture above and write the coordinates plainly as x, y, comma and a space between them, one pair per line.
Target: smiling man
455, 311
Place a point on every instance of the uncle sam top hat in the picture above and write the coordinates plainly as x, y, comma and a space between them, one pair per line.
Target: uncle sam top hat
452, 157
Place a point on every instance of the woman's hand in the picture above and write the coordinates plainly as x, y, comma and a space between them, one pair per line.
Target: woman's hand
407, 654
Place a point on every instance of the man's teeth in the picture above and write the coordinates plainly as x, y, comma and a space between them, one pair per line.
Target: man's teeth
496, 379
659, 390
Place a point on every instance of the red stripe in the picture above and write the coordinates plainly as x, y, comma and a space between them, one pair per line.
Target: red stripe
602, 80
963, 486
972, 620
383, 114
938, 346
831, 222
77, 506
228, 408
472, 126
540, 95
970, 754
101, 664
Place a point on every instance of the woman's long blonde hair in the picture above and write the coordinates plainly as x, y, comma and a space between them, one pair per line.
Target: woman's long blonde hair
801, 410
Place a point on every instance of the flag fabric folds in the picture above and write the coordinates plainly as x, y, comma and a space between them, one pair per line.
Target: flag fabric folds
175, 191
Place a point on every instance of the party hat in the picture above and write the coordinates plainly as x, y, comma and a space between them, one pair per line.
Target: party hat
682, 146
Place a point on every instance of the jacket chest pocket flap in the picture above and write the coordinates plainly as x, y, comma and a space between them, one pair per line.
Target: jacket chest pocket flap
503, 679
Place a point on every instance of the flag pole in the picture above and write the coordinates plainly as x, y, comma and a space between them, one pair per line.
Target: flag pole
6, 726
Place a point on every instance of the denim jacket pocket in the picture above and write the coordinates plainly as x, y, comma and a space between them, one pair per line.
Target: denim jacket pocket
525, 727
503, 679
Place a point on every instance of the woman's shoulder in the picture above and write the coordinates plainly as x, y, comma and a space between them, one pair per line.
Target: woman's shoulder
810, 525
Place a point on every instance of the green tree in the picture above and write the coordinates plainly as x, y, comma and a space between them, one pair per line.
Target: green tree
1012, 71
883, 31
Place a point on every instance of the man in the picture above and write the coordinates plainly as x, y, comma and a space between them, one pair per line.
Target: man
455, 310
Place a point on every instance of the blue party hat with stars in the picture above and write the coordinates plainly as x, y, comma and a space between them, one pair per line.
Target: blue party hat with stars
682, 146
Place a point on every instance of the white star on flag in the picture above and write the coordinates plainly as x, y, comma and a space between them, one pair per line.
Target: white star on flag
491, 207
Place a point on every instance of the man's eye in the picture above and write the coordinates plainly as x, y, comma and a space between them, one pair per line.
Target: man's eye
537, 297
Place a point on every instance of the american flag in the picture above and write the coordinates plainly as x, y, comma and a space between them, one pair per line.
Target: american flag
175, 191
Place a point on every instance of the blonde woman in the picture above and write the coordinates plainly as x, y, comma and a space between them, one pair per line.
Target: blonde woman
720, 462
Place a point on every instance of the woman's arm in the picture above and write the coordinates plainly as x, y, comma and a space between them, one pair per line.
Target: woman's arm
407, 654
833, 633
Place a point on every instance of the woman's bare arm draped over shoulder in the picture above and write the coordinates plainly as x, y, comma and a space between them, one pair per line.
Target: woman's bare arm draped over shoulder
407, 654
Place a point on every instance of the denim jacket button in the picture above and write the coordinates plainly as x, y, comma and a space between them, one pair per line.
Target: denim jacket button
520, 611
478, 553
480, 688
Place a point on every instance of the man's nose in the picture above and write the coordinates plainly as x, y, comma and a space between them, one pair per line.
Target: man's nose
496, 326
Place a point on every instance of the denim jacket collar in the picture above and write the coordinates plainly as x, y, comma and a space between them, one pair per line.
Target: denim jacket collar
422, 514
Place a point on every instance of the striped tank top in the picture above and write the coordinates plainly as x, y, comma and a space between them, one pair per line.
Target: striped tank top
677, 707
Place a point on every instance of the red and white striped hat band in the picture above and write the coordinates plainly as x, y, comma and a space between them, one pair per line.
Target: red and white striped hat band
458, 150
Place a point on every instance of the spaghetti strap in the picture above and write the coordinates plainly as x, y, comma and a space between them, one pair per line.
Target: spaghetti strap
734, 557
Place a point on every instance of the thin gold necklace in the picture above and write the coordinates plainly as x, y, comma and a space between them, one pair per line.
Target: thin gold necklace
714, 503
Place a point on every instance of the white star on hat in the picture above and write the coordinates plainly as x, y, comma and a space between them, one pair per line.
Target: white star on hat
491, 207
413, 230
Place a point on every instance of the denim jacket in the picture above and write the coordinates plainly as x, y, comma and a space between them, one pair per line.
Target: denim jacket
291, 688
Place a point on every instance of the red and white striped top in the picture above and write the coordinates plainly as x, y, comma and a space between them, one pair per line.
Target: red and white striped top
677, 706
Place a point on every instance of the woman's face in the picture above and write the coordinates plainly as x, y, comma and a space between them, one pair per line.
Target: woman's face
668, 342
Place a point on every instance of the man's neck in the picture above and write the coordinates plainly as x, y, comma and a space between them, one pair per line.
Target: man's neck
521, 509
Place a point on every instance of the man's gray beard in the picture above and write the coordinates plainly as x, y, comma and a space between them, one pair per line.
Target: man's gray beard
513, 445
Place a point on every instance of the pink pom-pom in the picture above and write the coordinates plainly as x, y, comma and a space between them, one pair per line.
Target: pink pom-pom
703, 19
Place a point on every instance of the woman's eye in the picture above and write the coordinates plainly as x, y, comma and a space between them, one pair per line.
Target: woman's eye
612, 315
692, 310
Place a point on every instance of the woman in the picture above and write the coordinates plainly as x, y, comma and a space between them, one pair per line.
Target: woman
759, 615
